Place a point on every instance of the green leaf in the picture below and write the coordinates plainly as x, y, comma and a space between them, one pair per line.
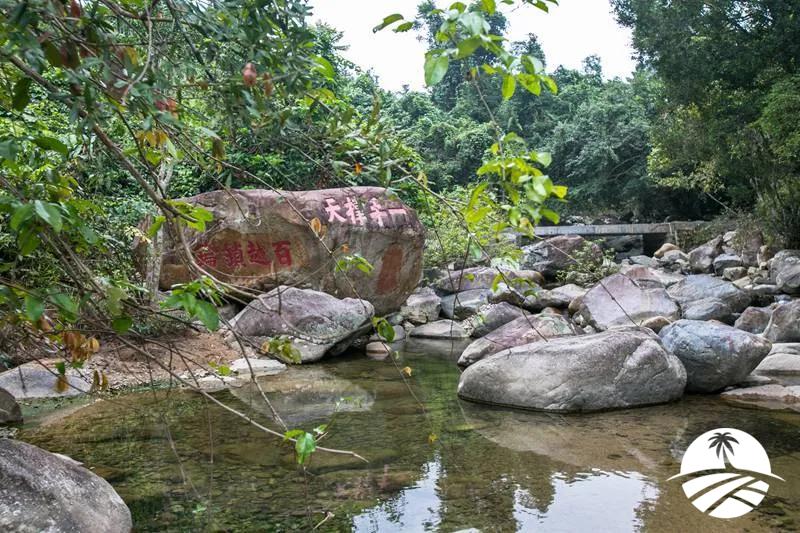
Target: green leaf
50, 214
66, 305
550, 83
544, 158
208, 315
550, 215
489, 6
51, 143
61, 367
531, 83
509, 86
305, 445
34, 307
467, 47
292, 434
122, 324
404, 27
21, 214
28, 240
324, 67
560, 191
473, 22
155, 226
52, 54
436, 66
384, 329
390, 19
22, 94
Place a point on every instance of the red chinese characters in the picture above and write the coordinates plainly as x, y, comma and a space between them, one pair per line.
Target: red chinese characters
231, 256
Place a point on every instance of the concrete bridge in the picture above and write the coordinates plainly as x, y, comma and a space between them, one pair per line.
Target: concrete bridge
653, 235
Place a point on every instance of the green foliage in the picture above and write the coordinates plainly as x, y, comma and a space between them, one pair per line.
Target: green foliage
283, 348
588, 266
726, 127
448, 238
199, 299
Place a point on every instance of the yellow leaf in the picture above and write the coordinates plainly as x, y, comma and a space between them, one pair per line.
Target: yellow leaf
432, 438
316, 225
407, 371
358, 168
103, 381
93, 345
61, 384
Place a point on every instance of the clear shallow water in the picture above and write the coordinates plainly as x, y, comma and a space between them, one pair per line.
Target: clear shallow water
183, 464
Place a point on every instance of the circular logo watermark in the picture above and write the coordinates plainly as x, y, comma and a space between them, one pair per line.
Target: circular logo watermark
725, 473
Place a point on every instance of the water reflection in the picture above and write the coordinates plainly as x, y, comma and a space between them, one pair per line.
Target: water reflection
182, 464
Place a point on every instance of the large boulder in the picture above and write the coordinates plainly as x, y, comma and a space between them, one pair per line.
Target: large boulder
609, 370
620, 300
263, 239
317, 323
705, 297
41, 491
465, 304
784, 324
556, 253
754, 319
492, 316
10, 412
422, 306
31, 380
784, 270
725, 261
715, 355
701, 259
523, 330
483, 278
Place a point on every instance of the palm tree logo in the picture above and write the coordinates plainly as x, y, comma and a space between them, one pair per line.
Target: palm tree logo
722, 440
725, 473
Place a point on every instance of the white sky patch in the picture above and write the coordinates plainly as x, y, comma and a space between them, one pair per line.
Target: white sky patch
569, 33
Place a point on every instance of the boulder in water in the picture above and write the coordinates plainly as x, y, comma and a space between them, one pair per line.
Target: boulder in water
42, 491
625, 367
317, 323
715, 355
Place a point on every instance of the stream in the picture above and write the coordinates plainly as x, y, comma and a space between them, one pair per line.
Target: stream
182, 463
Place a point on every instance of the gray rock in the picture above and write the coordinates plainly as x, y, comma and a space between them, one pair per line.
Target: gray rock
754, 319
523, 330
32, 381
784, 269
484, 277
318, 323
723, 261
441, 329
734, 273
617, 300
610, 370
556, 253
704, 297
260, 367
10, 412
41, 491
464, 304
701, 259
560, 297
772, 396
784, 324
422, 306
493, 316
378, 350
784, 358
715, 355
643, 260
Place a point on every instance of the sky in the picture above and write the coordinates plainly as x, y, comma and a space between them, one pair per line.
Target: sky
569, 33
